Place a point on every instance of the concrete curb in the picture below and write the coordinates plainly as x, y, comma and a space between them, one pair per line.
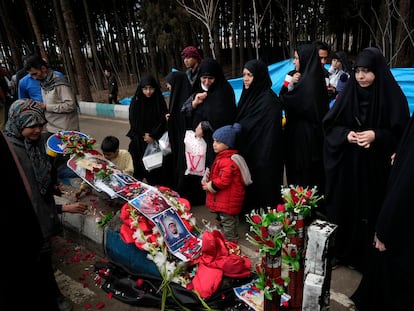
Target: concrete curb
104, 110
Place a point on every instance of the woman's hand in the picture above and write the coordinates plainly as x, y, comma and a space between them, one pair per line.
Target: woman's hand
365, 138
75, 208
352, 137
296, 77
393, 158
198, 99
378, 244
147, 138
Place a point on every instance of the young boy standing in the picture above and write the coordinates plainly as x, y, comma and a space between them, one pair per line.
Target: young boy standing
225, 186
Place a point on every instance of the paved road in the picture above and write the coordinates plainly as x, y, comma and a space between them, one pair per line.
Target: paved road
75, 257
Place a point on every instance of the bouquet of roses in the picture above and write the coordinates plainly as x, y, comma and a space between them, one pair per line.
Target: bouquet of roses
269, 228
75, 143
300, 200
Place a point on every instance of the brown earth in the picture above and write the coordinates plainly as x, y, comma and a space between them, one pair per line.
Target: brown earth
101, 96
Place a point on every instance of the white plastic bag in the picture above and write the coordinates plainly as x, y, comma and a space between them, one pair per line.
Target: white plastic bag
164, 143
152, 156
195, 153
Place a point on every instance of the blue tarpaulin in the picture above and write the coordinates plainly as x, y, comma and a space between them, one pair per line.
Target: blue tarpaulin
405, 78
278, 71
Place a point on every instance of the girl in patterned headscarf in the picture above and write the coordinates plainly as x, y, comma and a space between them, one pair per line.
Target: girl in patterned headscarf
24, 126
23, 129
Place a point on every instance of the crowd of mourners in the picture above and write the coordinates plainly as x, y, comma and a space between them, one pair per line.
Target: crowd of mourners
348, 132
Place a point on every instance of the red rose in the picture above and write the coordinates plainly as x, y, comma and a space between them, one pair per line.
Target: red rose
280, 208
256, 219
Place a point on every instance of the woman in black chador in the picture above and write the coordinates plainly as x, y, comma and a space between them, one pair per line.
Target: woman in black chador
180, 90
213, 103
305, 102
362, 132
147, 123
259, 113
389, 282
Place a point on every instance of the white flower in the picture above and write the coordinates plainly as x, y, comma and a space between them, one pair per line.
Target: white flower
148, 247
155, 230
160, 259
139, 236
160, 240
170, 270
134, 223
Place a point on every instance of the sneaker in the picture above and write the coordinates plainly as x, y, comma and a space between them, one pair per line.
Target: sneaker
64, 303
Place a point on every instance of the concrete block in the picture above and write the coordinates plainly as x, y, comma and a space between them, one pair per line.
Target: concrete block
73, 221
316, 291
87, 108
91, 229
319, 241
313, 293
121, 112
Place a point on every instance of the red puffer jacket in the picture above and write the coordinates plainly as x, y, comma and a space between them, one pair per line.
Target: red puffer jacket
228, 183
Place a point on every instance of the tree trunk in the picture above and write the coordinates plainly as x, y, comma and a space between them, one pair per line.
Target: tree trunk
233, 38
96, 64
84, 90
63, 42
14, 50
36, 29
402, 38
241, 35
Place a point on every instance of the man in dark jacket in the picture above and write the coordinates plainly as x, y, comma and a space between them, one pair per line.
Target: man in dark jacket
112, 87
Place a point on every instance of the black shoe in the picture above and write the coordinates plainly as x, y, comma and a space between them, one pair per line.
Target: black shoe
335, 263
64, 303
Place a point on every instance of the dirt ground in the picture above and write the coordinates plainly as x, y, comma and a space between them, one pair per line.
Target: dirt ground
101, 96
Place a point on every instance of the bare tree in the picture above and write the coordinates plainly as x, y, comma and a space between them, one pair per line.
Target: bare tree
404, 36
289, 19
384, 32
257, 22
205, 12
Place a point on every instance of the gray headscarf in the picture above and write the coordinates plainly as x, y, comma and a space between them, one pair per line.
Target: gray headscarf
24, 113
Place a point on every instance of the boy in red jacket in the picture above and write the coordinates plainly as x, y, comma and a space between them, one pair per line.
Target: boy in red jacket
225, 186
